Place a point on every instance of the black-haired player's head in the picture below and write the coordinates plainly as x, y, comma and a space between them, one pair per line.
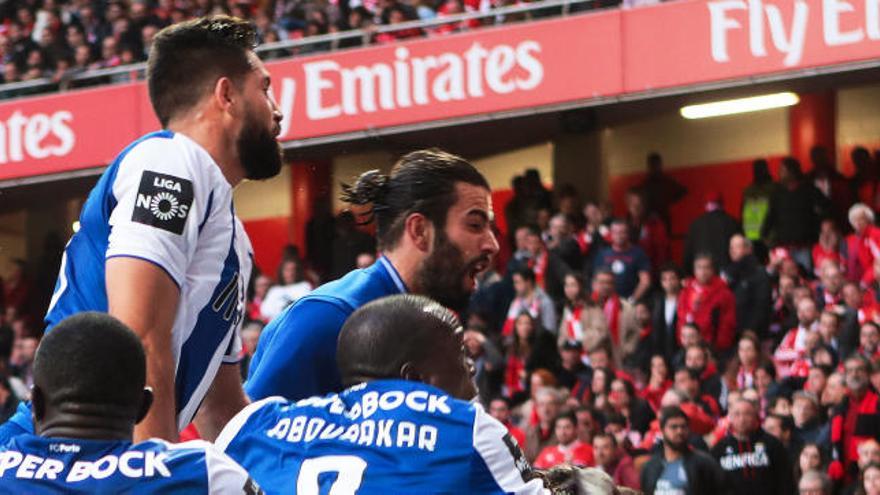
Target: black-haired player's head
206, 81
89, 377
433, 217
405, 337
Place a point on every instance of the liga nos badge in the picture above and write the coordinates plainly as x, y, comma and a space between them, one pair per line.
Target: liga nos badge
163, 201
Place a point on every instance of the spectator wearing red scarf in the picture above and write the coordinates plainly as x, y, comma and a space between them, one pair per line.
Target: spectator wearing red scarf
658, 382
530, 348
582, 319
569, 449
623, 327
794, 345
854, 420
596, 234
829, 248
530, 299
707, 302
866, 239
743, 367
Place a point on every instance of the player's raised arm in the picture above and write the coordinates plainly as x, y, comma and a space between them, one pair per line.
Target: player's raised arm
145, 298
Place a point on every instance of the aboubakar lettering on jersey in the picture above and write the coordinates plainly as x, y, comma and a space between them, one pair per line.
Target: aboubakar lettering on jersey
163, 201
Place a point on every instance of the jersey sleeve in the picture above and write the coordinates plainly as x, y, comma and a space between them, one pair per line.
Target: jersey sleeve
503, 463
160, 200
225, 476
232, 429
296, 354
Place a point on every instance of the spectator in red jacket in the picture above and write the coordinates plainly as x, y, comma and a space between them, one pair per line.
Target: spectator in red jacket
866, 240
707, 302
569, 449
615, 461
854, 420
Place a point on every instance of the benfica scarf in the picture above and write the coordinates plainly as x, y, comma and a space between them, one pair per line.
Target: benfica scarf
539, 266
532, 306
573, 325
611, 308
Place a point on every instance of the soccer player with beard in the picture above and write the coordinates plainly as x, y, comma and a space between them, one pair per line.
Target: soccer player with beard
160, 247
433, 217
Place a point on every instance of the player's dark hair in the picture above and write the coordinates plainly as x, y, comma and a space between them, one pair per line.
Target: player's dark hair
380, 337
420, 182
671, 412
187, 58
91, 358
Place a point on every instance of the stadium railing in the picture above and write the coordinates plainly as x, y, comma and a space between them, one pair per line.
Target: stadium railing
311, 45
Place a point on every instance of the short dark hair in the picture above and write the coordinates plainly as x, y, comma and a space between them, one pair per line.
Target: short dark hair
187, 58
91, 358
785, 422
380, 337
609, 436
670, 266
671, 412
527, 274
421, 182
567, 414
692, 373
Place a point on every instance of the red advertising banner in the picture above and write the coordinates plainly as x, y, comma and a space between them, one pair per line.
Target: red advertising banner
69, 131
725, 39
490, 70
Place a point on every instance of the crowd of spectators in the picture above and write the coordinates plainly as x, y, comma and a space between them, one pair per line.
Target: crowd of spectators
58, 39
753, 366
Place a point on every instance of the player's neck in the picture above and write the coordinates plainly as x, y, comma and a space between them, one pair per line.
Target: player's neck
215, 143
406, 266
86, 427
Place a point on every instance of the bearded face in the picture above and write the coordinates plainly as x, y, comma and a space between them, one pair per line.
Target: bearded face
446, 276
258, 148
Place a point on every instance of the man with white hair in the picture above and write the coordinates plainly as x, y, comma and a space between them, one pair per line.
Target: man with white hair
814, 483
548, 402
867, 238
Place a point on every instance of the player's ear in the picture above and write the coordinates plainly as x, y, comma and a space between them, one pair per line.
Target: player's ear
38, 404
146, 403
224, 95
420, 230
409, 372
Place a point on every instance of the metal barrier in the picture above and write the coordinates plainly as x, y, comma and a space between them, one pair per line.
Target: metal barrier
309, 45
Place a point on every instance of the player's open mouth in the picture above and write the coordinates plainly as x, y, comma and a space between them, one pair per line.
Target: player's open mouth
477, 268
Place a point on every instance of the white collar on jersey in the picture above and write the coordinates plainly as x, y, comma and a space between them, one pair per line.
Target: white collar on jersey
392, 272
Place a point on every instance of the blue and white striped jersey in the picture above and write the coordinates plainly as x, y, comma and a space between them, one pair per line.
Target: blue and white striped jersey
165, 201
387, 436
37, 465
